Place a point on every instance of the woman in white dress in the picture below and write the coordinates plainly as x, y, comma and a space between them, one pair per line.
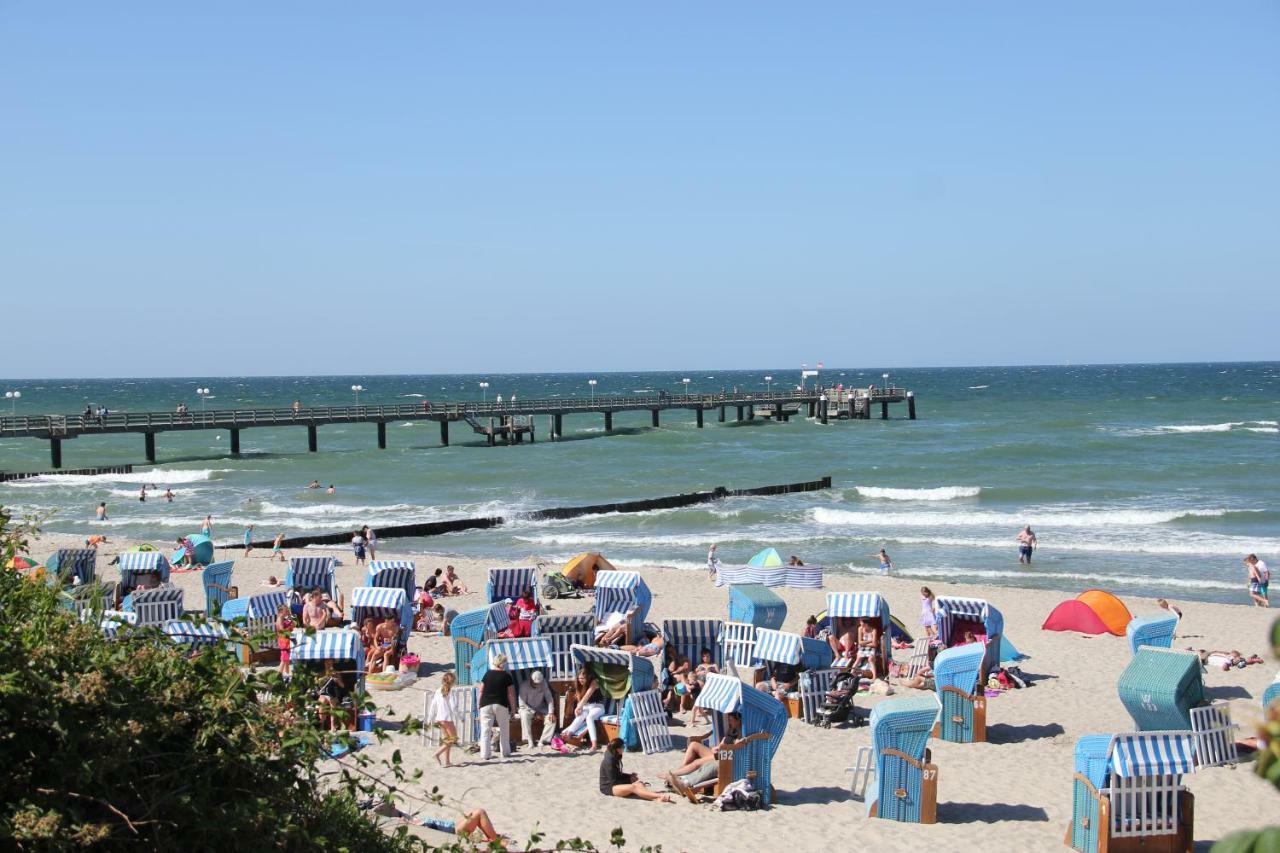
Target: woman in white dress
445, 715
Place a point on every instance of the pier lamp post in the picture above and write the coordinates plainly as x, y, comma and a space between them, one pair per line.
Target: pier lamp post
768, 383
592, 383
202, 393
885, 377
13, 397
356, 389
686, 385
484, 392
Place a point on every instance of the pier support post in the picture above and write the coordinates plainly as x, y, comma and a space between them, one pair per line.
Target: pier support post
559, 428
911, 405
722, 414
382, 435
235, 442
822, 411
813, 410
55, 452
311, 437
699, 418
751, 413
149, 444
778, 414
884, 410
608, 421
655, 419
444, 433
739, 414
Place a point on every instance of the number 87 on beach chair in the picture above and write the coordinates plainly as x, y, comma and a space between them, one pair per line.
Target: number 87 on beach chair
1127, 793
897, 766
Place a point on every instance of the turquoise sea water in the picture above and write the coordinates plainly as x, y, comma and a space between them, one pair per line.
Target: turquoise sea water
1144, 479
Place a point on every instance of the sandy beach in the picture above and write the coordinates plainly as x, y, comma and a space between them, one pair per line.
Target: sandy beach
1012, 793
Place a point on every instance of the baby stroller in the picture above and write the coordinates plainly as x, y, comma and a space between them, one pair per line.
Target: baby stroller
837, 704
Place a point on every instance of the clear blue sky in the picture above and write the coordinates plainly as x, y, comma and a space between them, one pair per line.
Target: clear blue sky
275, 188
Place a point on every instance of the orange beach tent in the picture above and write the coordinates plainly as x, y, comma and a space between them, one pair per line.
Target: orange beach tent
1094, 611
582, 568
1110, 610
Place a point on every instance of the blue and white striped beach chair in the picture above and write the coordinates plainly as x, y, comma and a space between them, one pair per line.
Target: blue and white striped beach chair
689, 637
342, 646
864, 605
764, 721
255, 616
511, 582
112, 622
955, 615
563, 632
155, 606
781, 647
396, 574
897, 767
379, 603
308, 573
1153, 631
626, 593
135, 564
629, 674
956, 675
68, 563
470, 630
217, 586
1129, 786
189, 633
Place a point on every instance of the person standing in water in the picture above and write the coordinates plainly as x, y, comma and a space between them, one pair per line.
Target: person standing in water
102, 511
142, 495
206, 526
886, 565
1026, 545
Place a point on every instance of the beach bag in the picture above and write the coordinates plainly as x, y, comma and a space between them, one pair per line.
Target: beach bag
739, 797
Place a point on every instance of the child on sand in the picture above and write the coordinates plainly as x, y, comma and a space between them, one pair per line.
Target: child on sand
444, 712
284, 636
927, 620
277, 550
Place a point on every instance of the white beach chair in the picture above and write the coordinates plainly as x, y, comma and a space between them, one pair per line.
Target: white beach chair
738, 643
650, 718
1215, 735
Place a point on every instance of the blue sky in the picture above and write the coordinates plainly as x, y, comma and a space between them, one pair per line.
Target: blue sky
276, 188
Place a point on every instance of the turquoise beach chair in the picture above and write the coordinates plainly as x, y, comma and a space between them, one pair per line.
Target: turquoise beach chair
217, 586
628, 674
956, 674
897, 766
1127, 790
470, 630
1160, 687
757, 604
1153, 631
764, 721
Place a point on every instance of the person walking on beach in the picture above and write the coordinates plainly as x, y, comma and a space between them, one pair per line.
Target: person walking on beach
248, 539
371, 542
445, 712
927, 620
102, 511
1259, 580
497, 704
713, 562
277, 549
357, 547
1026, 545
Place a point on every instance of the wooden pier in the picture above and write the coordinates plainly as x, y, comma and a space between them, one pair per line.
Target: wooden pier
508, 422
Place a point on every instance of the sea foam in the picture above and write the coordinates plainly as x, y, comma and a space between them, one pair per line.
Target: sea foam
941, 493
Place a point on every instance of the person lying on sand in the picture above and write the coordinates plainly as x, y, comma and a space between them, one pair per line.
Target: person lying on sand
476, 820
1226, 660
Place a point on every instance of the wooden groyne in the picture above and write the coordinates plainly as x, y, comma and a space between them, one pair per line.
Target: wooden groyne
6, 476
437, 528
507, 422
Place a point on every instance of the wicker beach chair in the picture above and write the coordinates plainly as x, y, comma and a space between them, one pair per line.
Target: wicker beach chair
764, 721
895, 775
871, 606
511, 583
155, 606
957, 679
757, 604
626, 674
1153, 631
308, 573
343, 647
690, 636
134, 565
68, 563
563, 632
217, 586
1159, 688
469, 632
393, 574
381, 602
189, 633
626, 593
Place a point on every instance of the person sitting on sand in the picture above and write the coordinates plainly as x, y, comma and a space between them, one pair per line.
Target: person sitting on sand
700, 765
453, 584
811, 627
271, 582
616, 782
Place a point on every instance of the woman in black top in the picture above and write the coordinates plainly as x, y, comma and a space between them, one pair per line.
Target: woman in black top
497, 704
615, 782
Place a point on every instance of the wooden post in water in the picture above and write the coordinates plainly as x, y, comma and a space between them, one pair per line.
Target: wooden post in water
699, 411
911, 405
382, 435
884, 410
822, 411
444, 433
149, 445
778, 415
751, 413
311, 437
235, 442
722, 414
813, 413
55, 452
559, 425
655, 418
608, 421
739, 414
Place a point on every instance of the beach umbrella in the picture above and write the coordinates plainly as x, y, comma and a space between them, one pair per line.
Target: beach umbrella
767, 559
22, 564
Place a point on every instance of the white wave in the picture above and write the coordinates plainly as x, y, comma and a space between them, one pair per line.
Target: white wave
1046, 518
1151, 585
1263, 429
1200, 427
156, 494
413, 395
1199, 546
1190, 429
157, 476
941, 493
344, 509
978, 387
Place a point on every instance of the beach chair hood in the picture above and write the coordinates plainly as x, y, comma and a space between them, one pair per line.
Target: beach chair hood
1152, 631
620, 673
690, 636
619, 592
216, 578
759, 710
308, 573
136, 563
757, 604
379, 602
334, 644
1159, 688
186, 632
509, 583
397, 574
778, 646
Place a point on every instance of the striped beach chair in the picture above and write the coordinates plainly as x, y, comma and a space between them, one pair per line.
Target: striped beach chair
895, 775
814, 685
757, 604
1127, 789
738, 643
217, 586
308, 573
842, 606
955, 615
470, 630
626, 593
1159, 688
113, 623
1215, 735
511, 583
189, 633
1153, 631
781, 647
394, 574
689, 637
764, 721
254, 618
380, 602
69, 563
135, 564
626, 674
155, 606
563, 632
342, 646
1272, 693
957, 675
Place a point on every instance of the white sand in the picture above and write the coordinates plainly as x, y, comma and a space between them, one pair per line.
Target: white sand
1013, 793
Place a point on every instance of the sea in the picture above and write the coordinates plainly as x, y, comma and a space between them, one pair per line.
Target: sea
1140, 479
